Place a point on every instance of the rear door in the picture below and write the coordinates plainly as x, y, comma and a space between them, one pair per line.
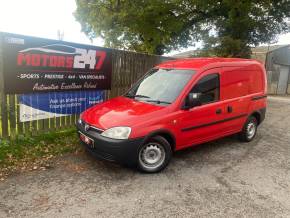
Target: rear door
235, 93
203, 122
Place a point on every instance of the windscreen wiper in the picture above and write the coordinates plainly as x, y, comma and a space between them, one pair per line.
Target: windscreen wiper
148, 100
158, 101
136, 96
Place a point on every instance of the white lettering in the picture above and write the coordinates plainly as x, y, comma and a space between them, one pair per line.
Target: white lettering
85, 58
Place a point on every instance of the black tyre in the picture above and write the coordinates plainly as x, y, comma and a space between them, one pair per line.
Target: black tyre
154, 155
249, 130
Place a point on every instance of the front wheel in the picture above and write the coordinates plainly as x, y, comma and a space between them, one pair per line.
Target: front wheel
154, 155
249, 130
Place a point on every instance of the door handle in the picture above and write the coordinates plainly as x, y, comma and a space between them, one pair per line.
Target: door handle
230, 109
218, 111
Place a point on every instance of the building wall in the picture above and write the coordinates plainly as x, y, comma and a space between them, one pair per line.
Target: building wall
277, 65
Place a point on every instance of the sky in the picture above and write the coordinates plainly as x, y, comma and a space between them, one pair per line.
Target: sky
43, 18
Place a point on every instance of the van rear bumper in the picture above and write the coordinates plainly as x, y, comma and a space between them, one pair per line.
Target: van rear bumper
121, 151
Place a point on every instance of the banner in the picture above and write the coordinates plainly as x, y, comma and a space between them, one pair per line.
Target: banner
41, 65
57, 104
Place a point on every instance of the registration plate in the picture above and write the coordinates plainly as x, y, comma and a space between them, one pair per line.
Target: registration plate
87, 140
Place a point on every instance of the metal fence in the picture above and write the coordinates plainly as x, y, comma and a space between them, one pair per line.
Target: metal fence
127, 68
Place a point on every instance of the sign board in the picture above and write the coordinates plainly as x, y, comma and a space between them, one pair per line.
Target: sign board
56, 104
41, 65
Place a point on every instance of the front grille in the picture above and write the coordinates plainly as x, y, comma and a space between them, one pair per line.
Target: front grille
95, 129
88, 127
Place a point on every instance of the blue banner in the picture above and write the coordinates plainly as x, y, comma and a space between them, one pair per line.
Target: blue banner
55, 104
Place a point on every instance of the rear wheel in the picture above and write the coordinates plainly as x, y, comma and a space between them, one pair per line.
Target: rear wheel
249, 130
154, 155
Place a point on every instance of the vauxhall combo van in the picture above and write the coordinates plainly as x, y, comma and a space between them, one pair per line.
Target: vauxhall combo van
175, 105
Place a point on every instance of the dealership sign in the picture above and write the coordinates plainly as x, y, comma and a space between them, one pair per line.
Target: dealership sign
56, 104
40, 65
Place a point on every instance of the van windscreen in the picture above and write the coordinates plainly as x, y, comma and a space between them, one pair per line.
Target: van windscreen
161, 86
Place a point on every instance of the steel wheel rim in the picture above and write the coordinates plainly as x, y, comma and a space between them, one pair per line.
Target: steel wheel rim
251, 130
152, 156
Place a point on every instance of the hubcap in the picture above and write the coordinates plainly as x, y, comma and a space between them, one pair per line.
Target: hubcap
152, 156
251, 130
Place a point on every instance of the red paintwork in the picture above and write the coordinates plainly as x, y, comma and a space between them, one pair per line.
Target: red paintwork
249, 80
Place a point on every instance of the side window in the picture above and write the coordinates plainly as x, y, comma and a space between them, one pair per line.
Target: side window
209, 88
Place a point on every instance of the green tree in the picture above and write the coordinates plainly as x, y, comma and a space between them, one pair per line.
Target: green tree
226, 27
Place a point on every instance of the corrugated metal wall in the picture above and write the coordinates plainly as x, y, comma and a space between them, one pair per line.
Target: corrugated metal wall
278, 71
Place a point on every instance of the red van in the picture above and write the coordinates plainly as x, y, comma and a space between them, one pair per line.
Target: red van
175, 105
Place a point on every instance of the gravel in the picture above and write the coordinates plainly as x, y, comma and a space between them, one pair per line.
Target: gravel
224, 178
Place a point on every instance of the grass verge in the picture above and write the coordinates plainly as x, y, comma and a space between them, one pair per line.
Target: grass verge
26, 151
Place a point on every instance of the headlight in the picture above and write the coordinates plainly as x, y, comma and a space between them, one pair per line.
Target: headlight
80, 121
121, 132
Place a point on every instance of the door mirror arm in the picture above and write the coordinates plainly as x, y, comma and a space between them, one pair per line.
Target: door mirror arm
191, 100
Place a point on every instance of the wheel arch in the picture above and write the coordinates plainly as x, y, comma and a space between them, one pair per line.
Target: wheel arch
259, 115
167, 134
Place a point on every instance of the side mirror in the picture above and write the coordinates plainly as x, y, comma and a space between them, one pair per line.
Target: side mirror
192, 100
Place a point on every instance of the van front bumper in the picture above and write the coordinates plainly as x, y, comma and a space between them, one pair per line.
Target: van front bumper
121, 151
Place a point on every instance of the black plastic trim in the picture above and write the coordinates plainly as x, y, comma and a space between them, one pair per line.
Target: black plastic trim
258, 97
213, 123
262, 113
121, 151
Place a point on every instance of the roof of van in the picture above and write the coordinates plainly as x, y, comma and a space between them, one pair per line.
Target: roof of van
196, 63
